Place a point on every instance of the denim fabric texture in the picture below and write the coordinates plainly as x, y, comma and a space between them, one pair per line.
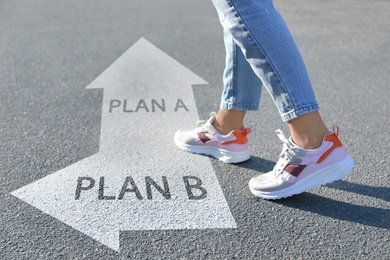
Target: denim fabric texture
260, 50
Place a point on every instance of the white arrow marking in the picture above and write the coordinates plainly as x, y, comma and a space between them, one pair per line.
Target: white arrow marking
147, 97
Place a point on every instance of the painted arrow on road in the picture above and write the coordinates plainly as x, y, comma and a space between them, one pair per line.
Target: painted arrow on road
138, 180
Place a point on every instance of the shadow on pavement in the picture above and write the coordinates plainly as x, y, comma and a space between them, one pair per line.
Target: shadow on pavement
382, 193
376, 217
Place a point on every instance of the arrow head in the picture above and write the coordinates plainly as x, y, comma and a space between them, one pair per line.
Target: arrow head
147, 66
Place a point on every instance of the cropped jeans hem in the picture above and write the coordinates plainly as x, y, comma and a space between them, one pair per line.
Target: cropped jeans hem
233, 106
299, 112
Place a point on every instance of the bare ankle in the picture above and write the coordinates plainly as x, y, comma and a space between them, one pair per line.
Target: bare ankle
228, 120
224, 128
308, 143
308, 130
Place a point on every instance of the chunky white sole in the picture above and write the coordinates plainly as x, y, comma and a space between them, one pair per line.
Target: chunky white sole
321, 177
220, 154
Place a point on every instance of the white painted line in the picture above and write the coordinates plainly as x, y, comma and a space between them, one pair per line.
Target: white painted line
138, 180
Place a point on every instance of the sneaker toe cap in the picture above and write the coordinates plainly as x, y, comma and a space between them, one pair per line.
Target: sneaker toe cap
268, 182
185, 137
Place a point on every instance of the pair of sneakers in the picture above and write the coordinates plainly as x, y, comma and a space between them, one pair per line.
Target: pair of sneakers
296, 171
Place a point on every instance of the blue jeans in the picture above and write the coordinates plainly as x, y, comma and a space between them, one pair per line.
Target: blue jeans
261, 51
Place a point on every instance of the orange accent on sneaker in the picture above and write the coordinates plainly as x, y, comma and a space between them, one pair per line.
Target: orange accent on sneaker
336, 143
241, 137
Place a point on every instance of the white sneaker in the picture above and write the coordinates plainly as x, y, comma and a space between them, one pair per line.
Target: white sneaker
230, 148
299, 170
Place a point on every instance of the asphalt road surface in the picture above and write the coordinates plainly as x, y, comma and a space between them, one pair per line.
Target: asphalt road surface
61, 199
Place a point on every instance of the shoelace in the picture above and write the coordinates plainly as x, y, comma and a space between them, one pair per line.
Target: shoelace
202, 123
286, 156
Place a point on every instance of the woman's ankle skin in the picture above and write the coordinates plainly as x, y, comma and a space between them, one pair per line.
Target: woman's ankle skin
308, 130
228, 120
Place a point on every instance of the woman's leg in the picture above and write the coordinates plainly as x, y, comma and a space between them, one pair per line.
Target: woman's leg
260, 31
242, 89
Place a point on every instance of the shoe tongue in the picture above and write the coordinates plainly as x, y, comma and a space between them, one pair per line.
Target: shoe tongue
210, 126
211, 120
292, 144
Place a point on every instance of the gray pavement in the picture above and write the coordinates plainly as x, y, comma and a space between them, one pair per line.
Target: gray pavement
50, 51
